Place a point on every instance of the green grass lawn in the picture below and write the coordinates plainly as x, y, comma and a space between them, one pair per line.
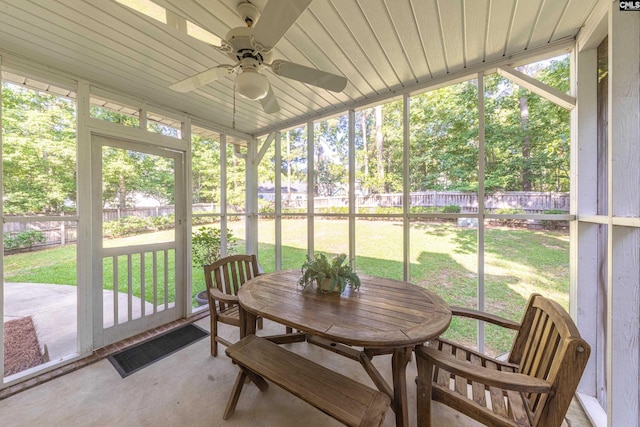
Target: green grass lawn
443, 259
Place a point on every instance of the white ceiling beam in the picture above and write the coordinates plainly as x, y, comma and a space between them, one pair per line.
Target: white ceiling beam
565, 101
552, 49
265, 146
595, 28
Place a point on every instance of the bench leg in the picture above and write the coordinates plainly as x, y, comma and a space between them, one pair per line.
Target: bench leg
243, 376
257, 379
235, 395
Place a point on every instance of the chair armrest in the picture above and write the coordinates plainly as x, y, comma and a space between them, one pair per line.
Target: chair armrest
221, 296
506, 380
481, 315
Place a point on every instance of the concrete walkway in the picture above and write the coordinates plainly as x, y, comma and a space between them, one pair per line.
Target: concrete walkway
54, 310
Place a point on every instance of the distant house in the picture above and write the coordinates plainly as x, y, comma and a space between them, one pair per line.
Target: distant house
297, 191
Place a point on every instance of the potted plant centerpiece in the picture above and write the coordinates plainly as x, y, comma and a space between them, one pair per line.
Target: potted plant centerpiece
330, 275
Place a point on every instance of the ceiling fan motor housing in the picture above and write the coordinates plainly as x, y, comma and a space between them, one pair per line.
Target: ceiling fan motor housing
240, 40
250, 48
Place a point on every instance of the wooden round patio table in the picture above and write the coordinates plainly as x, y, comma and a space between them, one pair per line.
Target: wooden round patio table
383, 316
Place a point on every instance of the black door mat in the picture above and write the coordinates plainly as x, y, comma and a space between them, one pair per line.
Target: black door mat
137, 357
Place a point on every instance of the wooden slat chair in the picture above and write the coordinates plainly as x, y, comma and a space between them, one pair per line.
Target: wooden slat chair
224, 278
533, 388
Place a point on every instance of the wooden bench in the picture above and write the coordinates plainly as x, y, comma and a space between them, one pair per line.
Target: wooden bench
534, 387
346, 400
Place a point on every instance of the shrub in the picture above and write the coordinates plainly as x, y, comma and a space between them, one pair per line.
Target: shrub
24, 239
199, 220
554, 225
334, 210
265, 206
387, 210
127, 226
451, 209
506, 221
206, 245
163, 222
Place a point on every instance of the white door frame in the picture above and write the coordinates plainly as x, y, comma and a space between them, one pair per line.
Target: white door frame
120, 330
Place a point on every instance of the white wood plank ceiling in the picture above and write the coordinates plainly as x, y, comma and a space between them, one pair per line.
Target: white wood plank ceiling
383, 48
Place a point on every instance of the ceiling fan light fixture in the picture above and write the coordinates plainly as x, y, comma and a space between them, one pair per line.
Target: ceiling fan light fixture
252, 85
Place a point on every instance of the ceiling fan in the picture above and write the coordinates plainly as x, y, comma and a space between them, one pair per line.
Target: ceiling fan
250, 48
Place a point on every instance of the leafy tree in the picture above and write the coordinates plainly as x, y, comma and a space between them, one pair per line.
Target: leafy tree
39, 153
527, 153
332, 156
444, 139
236, 177
205, 167
379, 149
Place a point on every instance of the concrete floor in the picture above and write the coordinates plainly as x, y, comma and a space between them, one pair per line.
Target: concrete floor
190, 388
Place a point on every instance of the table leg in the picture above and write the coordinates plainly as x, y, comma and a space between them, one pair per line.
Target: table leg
247, 323
399, 361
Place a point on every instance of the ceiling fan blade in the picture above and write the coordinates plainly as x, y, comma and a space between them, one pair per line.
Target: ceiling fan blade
276, 19
202, 79
308, 75
270, 102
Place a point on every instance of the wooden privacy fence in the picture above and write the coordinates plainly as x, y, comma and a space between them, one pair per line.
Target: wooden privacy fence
529, 202
65, 232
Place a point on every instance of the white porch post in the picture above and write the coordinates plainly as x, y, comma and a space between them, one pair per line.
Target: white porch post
251, 197
87, 252
623, 302
1, 237
223, 193
278, 200
185, 130
311, 173
583, 295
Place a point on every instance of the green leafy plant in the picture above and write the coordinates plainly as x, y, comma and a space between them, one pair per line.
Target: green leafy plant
319, 267
206, 245
24, 239
451, 209
554, 224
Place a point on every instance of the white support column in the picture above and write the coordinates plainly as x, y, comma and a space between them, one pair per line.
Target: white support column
352, 187
142, 117
406, 224
88, 247
311, 173
481, 169
185, 131
1, 237
623, 307
223, 193
584, 297
278, 201
251, 197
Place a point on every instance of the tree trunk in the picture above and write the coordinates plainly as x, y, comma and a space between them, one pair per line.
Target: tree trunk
379, 148
122, 193
364, 144
288, 166
526, 143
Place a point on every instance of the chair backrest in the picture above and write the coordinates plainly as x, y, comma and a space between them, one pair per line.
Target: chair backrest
548, 346
230, 273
